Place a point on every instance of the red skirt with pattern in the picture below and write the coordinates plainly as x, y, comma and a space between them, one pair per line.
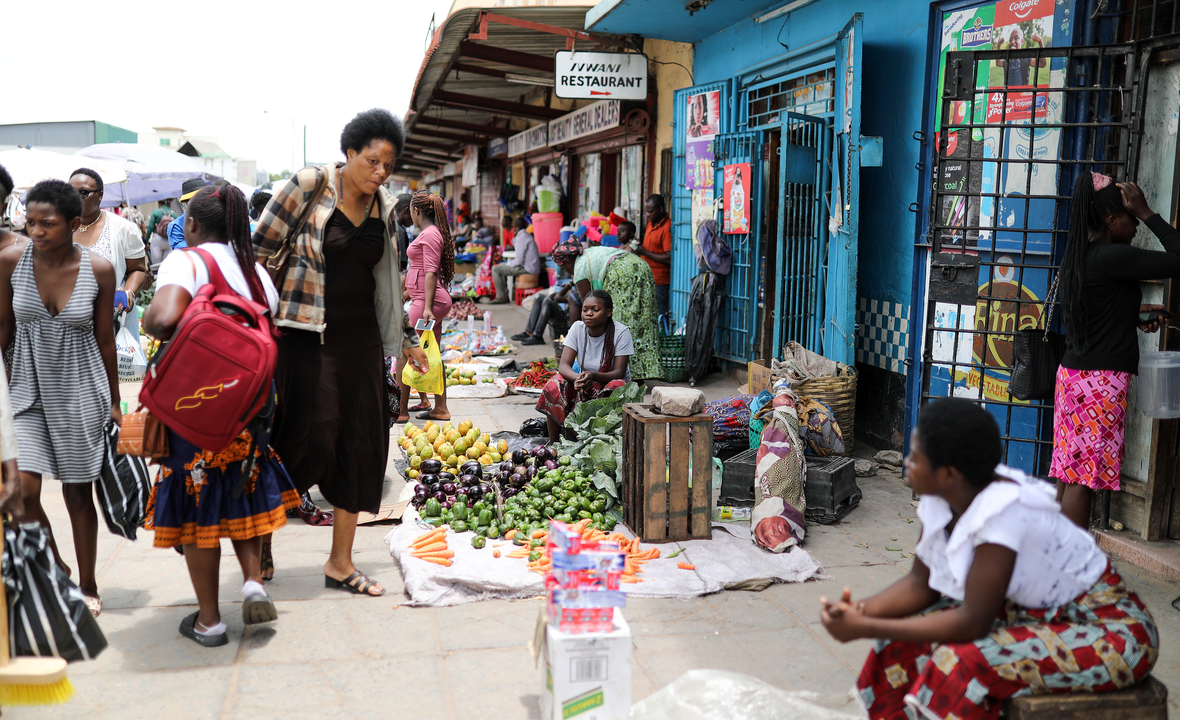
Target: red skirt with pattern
1089, 426
1104, 640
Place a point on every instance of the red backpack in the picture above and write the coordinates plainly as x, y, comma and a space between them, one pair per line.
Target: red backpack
214, 377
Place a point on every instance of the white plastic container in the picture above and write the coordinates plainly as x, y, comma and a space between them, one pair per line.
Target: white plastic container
1159, 384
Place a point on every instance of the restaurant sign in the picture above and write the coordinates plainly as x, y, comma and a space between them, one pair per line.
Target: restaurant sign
594, 75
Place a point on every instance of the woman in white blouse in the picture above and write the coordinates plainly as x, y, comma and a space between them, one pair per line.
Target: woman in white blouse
118, 240
1007, 597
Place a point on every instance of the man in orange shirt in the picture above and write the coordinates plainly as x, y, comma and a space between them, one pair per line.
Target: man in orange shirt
657, 248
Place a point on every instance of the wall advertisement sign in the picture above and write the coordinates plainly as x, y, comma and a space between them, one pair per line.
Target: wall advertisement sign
532, 139
596, 117
704, 122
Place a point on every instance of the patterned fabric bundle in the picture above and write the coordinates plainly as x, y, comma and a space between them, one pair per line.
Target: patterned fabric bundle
779, 471
731, 417
818, 429
1104, 640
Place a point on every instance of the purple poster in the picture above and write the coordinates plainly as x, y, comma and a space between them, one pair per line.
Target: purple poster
704, 112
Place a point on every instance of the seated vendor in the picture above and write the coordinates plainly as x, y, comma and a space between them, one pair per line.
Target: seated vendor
1006, 597
481, 235
595, 341
548, 310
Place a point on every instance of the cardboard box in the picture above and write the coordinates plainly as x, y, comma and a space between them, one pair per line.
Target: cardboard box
759, 376
587, 676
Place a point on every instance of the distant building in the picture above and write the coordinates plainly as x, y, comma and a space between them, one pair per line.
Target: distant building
63, 137
167, 137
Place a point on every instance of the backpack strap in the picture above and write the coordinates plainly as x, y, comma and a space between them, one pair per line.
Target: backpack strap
216, 279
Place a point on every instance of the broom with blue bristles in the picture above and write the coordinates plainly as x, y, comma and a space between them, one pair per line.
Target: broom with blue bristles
28, 680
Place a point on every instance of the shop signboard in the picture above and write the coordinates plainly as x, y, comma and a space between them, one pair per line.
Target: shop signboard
595, 75
497, 147
532, 139
594, 118
704, 122
737, 198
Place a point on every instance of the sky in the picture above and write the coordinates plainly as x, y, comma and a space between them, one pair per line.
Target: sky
213, 68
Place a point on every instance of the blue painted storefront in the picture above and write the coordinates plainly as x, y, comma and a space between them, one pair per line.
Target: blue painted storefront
736, 53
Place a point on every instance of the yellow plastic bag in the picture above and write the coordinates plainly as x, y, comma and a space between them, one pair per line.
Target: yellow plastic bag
433, 381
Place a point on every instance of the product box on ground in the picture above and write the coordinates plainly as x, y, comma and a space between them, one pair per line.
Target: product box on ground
587, 676
759, 376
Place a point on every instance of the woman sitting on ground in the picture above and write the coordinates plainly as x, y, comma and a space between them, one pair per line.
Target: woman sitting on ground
1007, 597
193, 504
595, 341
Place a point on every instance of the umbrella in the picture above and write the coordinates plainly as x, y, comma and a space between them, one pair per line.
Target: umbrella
153, 173
29, 167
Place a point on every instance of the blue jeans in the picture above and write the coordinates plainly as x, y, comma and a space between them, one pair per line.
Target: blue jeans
662, 293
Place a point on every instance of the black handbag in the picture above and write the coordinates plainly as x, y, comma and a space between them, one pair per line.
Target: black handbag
1036, 355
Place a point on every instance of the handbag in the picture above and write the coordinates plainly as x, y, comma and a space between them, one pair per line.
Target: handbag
1036, 355
143, 435
47, 614
277, 263
123, 488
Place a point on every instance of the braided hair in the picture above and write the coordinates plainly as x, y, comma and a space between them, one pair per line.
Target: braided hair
222, 211
1088, 212
434, 209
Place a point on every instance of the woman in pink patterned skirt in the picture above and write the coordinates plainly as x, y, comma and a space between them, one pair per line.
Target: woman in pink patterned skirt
1102, 304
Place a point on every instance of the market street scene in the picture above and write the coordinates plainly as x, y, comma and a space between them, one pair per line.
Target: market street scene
561, 359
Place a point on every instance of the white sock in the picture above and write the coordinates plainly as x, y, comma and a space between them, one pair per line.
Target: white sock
251, 587
217, 629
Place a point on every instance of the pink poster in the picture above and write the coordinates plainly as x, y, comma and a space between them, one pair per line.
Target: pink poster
704, 121
737, 198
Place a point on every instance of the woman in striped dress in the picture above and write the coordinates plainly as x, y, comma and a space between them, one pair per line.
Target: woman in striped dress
56, 303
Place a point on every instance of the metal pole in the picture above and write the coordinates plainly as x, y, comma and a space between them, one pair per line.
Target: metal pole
304, 146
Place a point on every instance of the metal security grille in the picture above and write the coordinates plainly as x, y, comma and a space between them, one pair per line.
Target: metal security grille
1005, 161
802, 246
737, 323
808, 94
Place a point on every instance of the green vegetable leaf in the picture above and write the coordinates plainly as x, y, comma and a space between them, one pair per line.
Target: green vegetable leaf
606, 483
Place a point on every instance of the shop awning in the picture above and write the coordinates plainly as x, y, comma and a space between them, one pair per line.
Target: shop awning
670, 19
469, 89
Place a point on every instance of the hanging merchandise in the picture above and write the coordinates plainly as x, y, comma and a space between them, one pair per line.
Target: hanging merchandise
704, 112
704, 305
737, 198
712, 251
510, 197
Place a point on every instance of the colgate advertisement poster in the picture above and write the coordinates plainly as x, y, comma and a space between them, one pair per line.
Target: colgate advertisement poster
1020, 25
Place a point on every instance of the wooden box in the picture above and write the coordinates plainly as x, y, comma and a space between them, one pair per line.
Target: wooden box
1146, 701
663, 499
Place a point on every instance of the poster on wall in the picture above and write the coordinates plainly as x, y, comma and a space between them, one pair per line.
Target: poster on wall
737, 198
704, 122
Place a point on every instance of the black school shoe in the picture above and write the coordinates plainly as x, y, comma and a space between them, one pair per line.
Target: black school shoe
188, 629
521, 336
258, 608
533, 340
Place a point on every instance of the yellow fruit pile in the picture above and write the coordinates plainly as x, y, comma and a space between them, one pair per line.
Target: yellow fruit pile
452, 445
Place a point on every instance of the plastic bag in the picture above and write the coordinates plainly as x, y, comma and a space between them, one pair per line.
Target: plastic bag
534, 427
433, 381
720, 695
129, 353
123, 488
47, 614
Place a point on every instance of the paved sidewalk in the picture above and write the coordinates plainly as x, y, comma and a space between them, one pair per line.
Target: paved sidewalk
334, 655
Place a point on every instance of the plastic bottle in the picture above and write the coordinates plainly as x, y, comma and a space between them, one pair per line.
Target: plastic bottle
729, 513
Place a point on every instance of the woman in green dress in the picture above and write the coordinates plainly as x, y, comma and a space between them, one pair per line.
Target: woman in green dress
629, 281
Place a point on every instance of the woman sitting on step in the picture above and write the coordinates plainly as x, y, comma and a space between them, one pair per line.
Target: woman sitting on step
1007, 597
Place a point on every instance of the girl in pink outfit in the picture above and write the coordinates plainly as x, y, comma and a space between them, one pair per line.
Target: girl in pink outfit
432, 265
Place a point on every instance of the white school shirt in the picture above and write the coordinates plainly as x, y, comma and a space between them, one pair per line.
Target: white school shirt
1055, 560
185, 268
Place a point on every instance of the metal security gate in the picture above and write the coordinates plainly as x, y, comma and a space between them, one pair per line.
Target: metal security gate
1005, 159
684, 262
738, 322
802, 223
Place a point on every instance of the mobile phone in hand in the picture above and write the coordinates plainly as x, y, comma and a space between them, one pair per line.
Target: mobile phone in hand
1152, 315
424, 325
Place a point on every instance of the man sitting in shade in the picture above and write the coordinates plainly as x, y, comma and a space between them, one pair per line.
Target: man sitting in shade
527, 257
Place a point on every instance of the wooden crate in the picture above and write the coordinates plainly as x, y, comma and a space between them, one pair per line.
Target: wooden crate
661, 503
1146, 701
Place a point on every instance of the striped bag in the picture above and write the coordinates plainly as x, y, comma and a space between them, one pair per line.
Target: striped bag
47, 614
123, 488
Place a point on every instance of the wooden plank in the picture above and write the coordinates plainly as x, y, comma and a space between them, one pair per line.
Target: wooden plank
647, 414
701, 523
637, 488
655, 485
632, 491
1146, 701
679, 447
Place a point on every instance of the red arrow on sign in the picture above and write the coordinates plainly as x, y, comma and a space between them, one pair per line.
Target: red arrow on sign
599, 92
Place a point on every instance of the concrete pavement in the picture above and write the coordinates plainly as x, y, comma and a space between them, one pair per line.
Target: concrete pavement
334, 655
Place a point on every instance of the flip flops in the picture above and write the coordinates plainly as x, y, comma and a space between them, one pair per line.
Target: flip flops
356, 583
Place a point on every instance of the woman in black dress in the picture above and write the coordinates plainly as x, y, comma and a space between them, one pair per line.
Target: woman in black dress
340, 312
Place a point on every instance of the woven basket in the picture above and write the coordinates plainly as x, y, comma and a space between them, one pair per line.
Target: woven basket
838, 393
672, 357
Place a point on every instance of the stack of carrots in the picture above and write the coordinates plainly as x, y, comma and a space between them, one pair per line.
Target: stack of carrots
432, 547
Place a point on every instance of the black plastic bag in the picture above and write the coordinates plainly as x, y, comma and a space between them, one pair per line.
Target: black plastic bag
123, 488
47, 614
534, 428
704, 305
